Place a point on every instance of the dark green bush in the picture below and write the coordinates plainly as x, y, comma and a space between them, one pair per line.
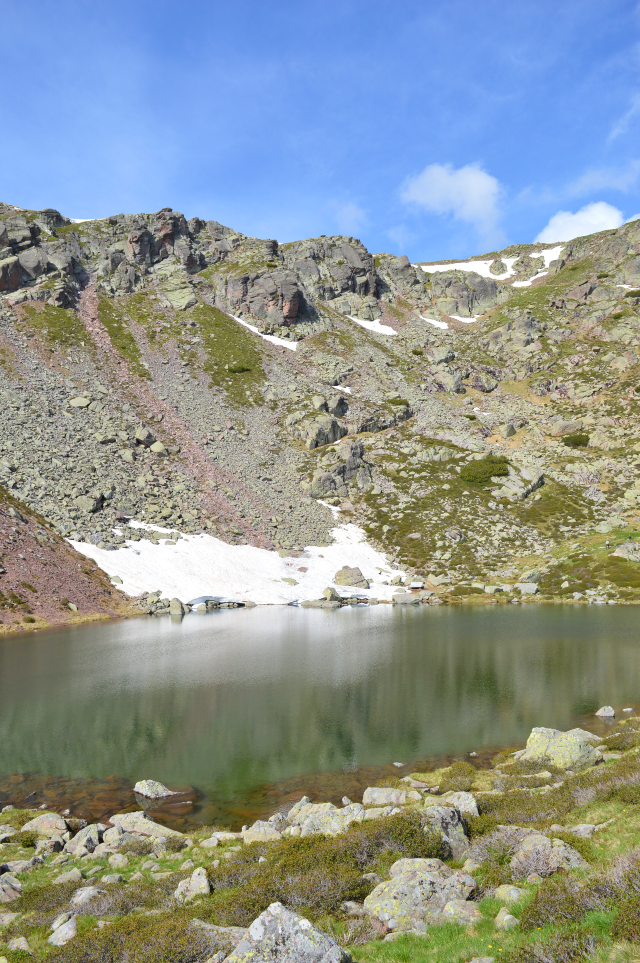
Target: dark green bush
577, 439
626, 925
237, 368
398, 401
28, 839
567, 947
559, 900
632, 294
460, 778
140, 939
630, 795
482, 471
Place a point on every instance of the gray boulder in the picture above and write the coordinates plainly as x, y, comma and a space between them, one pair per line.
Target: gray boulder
449, 822
64, 933
139, 822
151, 789
564, 750
282, 936
197, 885
418, 891
350, 576
537, 853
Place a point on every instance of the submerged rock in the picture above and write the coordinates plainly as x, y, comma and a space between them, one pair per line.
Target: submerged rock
151, 789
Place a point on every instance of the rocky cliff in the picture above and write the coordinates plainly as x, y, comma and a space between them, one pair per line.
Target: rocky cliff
478, 419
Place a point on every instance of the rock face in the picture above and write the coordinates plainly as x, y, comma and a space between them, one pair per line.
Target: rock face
278, 934
175, 415
418, 891
565, 750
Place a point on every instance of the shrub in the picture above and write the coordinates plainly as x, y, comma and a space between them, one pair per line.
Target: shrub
140, 940
567, 947
28, 839
238, 368
316, 874
417, 351
482, 471
626, 925
577, 439
460, 778
561, 900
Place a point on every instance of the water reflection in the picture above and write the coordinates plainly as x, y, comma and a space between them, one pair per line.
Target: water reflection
232, 702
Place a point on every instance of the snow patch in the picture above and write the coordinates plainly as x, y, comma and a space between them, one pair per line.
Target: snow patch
527, 284
478, 267
373, 325
465, 320
436, 324
291, 345
203, 565
483, 268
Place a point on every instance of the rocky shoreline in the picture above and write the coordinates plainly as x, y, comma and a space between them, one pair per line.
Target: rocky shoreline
516, 858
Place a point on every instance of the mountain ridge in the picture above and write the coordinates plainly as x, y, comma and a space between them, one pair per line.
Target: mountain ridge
130, 391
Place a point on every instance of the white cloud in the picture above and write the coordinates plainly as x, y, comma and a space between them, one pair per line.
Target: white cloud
623, 123
565, 225
349, 217
634, 217
469, 194
605, 178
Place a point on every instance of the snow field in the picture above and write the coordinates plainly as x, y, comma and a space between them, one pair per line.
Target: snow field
203, 565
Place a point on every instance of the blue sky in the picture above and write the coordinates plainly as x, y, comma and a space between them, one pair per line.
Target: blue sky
435, 129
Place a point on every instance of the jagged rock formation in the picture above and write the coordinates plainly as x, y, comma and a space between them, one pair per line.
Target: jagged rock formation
130, 391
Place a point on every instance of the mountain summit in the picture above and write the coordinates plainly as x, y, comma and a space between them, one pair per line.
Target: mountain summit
477, 419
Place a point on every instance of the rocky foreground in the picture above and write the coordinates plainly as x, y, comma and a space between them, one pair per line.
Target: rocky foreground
534, 859
478, 421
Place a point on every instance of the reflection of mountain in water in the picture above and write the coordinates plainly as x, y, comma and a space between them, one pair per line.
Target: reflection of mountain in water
237, 699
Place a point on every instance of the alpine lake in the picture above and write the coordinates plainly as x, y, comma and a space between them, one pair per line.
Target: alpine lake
243, 711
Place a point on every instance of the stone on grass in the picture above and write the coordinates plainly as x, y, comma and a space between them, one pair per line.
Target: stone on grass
112, 878
374, 796
118, 861
46, 824
139, 822
464, 801
261, 832
72, 876
197, 885
448, 821
417, 892
279, 934
564, 750
460, 911
64, 933
505, 920
508, 894
19, 944
83, 896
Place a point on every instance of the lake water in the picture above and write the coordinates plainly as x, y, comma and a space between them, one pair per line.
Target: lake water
242, 709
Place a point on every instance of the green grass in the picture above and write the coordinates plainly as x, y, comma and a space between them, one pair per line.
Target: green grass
112, 316
482, 471
56, 326
234, 361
